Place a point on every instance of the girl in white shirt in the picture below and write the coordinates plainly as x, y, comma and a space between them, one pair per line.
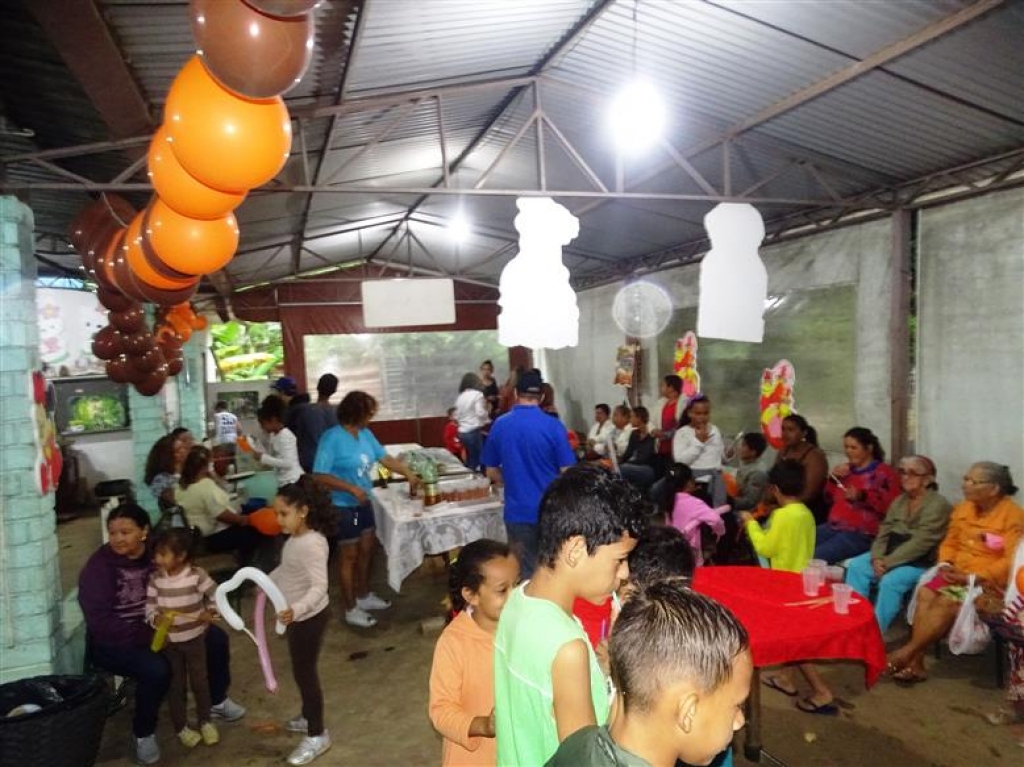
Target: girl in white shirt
472, 415
699, 445
282, 454
305, 513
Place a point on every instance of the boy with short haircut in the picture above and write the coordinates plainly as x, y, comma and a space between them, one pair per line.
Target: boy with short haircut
751, 477
788, 543
682, 664
547, 681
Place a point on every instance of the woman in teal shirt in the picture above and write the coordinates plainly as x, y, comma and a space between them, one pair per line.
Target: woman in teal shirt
344, 465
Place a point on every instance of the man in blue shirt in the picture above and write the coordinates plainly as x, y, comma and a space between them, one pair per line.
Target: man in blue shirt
527, 449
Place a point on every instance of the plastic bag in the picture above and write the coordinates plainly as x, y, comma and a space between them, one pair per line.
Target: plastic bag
926, 577
969, 636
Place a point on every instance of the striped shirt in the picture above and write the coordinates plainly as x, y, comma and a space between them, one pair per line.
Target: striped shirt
187, 593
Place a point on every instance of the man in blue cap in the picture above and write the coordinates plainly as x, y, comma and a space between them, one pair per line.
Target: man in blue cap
286, 388
526, 451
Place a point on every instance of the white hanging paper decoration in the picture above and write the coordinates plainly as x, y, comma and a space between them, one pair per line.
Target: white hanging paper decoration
733, 280
538, 306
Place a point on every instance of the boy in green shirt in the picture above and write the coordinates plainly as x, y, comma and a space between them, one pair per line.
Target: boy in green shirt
547, 682
789, 545
683, 667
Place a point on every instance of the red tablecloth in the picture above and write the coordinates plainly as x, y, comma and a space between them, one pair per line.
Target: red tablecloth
780, 634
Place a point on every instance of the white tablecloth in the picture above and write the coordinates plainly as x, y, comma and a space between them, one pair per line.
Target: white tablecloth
408, 538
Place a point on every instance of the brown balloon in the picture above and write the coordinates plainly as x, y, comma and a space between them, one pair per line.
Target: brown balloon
114, 301
104, 267
166, 297
151, 383
119, 371
252, 54
175, 364
105, 344
284, 7
140, 343
151, 360
129, 321
123, 276
96, 218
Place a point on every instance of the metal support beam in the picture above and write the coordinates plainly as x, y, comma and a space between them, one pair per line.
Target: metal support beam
79, 33
899, 331
404, 111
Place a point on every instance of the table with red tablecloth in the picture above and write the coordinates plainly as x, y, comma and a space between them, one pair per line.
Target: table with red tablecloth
779, 633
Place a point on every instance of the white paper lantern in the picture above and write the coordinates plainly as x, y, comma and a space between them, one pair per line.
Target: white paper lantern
538, 306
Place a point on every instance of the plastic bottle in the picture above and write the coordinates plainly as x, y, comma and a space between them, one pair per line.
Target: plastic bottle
431, 493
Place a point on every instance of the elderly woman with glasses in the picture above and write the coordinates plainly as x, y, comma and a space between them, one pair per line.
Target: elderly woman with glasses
907, 540
983, 534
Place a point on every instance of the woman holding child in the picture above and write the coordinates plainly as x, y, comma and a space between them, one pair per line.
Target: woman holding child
983, 535
112, 594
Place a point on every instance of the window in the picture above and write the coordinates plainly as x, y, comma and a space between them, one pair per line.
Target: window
412, 375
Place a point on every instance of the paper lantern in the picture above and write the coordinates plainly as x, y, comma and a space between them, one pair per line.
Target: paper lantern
223, 140
538, 306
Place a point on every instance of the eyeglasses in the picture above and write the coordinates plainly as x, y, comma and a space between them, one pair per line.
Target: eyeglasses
975, 482
909, 473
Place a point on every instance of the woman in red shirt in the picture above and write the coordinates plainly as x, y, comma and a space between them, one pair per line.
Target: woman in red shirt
861, 492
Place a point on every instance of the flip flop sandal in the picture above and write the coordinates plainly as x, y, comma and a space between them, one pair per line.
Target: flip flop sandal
891, 669
908, 678
770, 681
1004, 717
809, 707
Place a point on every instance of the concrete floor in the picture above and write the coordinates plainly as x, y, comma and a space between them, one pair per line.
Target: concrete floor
375, 683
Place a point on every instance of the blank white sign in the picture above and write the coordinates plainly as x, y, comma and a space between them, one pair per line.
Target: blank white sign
403, 302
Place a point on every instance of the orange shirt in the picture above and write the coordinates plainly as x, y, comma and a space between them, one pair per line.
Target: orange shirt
461, 688
964, 545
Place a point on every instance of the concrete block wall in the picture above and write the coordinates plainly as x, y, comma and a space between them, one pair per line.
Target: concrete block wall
31, 636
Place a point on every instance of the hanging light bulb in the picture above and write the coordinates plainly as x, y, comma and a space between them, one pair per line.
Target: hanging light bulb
458, 228
637, 117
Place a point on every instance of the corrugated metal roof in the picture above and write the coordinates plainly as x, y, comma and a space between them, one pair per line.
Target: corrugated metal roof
718, 63
410, 42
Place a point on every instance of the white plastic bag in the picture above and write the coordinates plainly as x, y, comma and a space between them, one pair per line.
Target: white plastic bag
969, 636
926, 576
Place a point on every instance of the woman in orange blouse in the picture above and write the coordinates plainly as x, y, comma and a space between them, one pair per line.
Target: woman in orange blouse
983, 534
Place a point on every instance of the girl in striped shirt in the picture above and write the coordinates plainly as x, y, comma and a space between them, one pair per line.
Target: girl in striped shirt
183, 594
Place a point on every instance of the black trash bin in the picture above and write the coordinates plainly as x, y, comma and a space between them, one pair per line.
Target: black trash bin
65, 731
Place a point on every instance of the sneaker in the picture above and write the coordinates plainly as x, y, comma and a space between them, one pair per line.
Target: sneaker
359, 617
309, 749
227, 710
189, 738
146, 750
298, 724
372, 602
210, 735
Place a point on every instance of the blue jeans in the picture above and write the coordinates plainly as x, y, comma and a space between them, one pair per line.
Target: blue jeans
892, 587
522, 537
835, 545
473, 441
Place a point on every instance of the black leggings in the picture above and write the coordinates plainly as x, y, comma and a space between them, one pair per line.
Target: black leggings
304, 641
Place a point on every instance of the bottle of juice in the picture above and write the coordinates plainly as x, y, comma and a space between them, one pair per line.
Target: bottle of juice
431, 493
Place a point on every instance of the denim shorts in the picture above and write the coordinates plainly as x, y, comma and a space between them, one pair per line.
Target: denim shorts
354, 522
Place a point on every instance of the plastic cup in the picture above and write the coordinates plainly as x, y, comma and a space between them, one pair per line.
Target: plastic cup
841, 593
835, 574
812, 581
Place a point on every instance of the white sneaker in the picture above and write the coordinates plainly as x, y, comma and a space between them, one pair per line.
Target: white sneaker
372, 602
359, 617
298, 724
146, 750
309, 749
227, 710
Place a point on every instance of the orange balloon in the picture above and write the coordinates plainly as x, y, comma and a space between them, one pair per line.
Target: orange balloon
225, 141
190, 245
140, 266
1020, 580
265, 520
182, 193
199, 322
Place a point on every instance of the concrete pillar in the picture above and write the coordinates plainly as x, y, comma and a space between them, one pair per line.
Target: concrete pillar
30, 599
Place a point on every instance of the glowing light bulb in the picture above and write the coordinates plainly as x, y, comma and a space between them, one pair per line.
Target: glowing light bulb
637, 117
458, 227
